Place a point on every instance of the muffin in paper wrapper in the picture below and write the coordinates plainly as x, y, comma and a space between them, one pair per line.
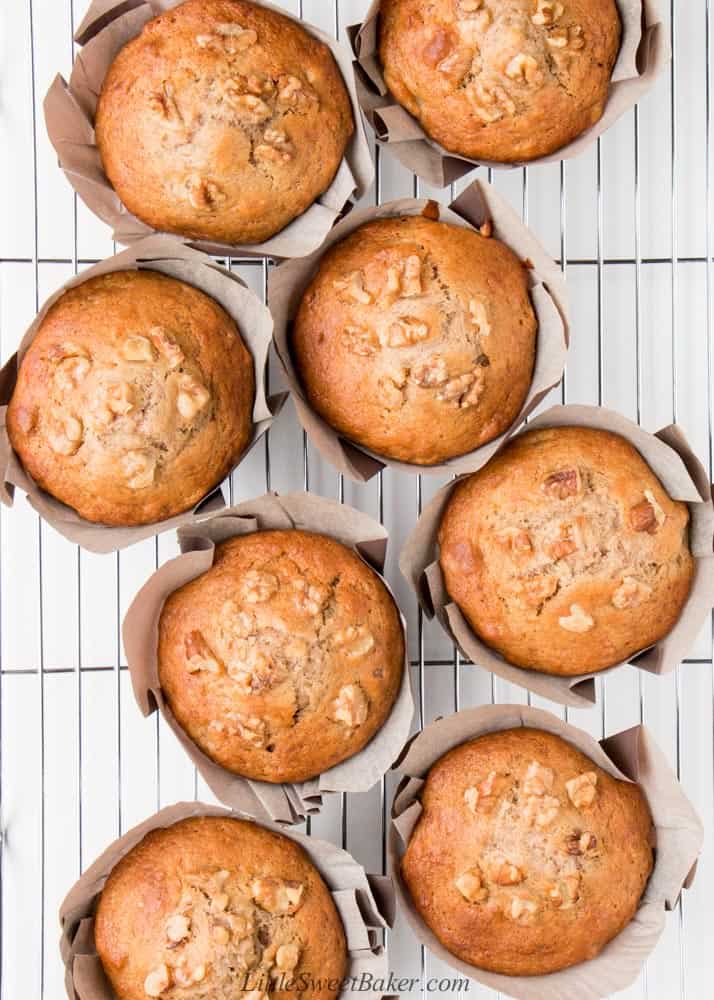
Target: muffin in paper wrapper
478, 204
682, 476
631, 756
285, 803
364, 902
644, 52
69, 117
169, 257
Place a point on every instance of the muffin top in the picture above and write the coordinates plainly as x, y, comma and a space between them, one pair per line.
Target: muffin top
212, 908
500, 80
416, 339
565, 552
134, 399
284, 658
527, 857
222, 120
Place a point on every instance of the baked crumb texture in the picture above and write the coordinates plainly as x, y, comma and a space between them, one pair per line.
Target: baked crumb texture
501, 80
565, 553
222, 120
527, 858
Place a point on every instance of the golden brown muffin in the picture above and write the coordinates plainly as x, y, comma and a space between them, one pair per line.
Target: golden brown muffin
213, 908
500, 80
565, 553
284, 658
134, 400
527, 857
222, 120
416, 339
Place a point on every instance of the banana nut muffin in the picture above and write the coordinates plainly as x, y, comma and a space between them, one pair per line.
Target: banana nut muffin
565, 553
134, 400
222, 120
218, 908
284, 658
416, 339
500, 80
527, 857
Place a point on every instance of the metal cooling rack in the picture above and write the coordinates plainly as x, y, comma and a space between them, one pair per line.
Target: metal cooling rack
630, 222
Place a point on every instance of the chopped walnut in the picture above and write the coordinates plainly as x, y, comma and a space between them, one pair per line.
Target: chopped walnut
355, 641
524, 68
292, 91
563, 484
566, 892
199, 655
548, 12
137, 348
516, 541
271, 153
351, 706
362, 342
538, 779
430, 372
577, 621
411, 277
481, 795
167, 346
178, 928
504, 872
534, 590
191, 398
157, 982
660, 515
287, 957
563, 546
522, 907
71, 371
470, 885
251, 729
258, 586
66, 434
406, 332
204, 194
541, 810
276, 895
139, 468
310, 597
581, 790
580, 843
465, 390
236, 38
479, 316
120, 398
631, 593
490, 102
276, 146
353, 287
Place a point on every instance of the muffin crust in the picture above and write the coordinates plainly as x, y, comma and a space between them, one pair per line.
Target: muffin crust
501, 80
213, 907
134, 400
222, 120
416, 339
565, 553
284, 658
527, 858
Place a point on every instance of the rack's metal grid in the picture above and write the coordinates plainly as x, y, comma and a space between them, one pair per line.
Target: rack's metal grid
631, 224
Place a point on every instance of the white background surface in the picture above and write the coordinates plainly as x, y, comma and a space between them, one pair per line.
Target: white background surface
632, 218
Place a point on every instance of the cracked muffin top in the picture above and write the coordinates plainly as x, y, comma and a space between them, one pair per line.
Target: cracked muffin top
501, 80
284, 658
565, 553
222, 120
416, 339
134, 400
214, 908
527, 857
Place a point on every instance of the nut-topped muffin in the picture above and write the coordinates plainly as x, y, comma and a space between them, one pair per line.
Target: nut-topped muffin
284, 658
222, 120
134, 399
217, 908
416, 339
501, 80
527, 857
565, 553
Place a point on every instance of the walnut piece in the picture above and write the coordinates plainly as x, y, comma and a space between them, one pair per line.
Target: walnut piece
547, 13
199, 655
276, 146
430, 372
70, 372
538, 780
464, 390
258, 586
353, 287
522, 907
136, 348
167, 346
541, 810
178, 927
470, 885
481, 795
534, 590
563, 484
631, 593
191, 398
120, 398
205, 195
251, 729
504, 872
577, 621
566, 892
404, 279
516, 541
581, 790
660, 516
563, 546
479, 316
524, 69
287, 957
579, 843
292, 91
139, 468
405, 332
276, 895
236, 38
310, 597
351, 706
360, 341
355, 641
157, 982
490, 102
66, 435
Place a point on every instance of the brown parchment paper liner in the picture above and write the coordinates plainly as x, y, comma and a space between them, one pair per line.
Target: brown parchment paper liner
365, 903
283, 803
168, 256
631, 755
69, 116
644, 51
682, 475
479, 203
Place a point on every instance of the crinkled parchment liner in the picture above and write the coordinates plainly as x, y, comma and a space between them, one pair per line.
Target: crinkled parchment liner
283, 803
69, 116
643, 53
365, 903
630, 755
168, 256
681, 474
478, 204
